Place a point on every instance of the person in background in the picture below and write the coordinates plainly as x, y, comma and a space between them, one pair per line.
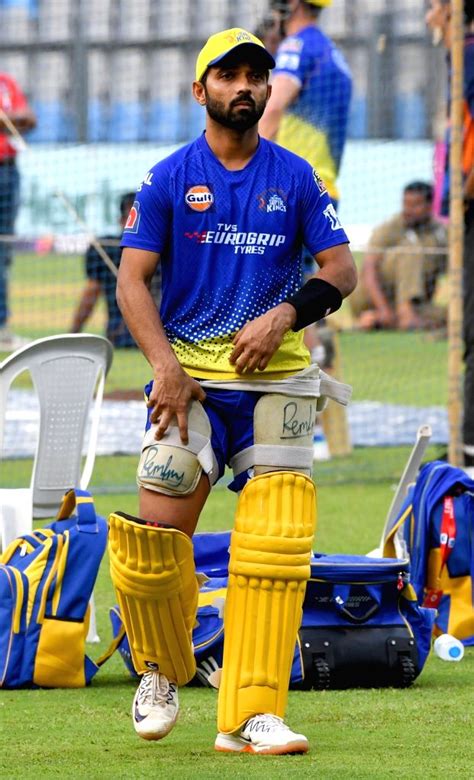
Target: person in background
14, 111
308, 110
102, 281
438, 20
405, 258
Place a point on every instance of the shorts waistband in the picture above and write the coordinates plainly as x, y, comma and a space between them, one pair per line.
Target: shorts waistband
8, 161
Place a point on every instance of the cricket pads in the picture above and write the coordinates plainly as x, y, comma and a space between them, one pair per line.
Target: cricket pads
152, 569
269, 566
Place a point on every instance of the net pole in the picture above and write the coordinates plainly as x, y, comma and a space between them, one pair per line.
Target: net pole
456, 235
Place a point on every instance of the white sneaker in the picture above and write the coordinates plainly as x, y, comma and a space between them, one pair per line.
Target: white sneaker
263, 734
155, 706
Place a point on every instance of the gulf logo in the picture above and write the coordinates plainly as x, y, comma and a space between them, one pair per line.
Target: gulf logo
199, 197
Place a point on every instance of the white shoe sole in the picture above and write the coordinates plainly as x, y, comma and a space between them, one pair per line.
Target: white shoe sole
227, 743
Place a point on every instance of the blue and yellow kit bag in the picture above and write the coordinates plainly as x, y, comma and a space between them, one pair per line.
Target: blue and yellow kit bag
362, 625
435, 529
46, 582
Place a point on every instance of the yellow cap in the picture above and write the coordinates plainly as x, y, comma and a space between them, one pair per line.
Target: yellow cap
222, 43
322, 3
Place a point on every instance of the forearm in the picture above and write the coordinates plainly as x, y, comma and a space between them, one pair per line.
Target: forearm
85, 307
143, 320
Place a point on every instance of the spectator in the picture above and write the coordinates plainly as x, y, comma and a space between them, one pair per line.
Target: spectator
102, 281
15, 113
438, 19
405, 258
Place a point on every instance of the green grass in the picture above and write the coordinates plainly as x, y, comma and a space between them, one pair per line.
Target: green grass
422, 732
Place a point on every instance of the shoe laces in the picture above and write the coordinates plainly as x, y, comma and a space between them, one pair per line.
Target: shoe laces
156, 689
266, 723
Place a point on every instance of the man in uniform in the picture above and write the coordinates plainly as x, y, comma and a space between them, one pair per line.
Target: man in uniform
438, 19
14, 110
405, 257
225, 216
308, 110
102, 281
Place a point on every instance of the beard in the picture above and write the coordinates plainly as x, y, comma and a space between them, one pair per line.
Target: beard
236, 117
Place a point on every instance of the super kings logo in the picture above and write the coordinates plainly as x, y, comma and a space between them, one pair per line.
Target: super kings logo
199, 197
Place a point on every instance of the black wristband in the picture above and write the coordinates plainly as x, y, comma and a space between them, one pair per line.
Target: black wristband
316, 299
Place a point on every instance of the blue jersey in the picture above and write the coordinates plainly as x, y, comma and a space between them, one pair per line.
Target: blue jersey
230, 245
315, 124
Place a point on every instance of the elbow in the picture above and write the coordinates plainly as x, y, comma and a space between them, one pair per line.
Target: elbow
349, 280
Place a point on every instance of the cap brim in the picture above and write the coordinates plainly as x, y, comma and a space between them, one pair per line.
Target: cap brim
259, 54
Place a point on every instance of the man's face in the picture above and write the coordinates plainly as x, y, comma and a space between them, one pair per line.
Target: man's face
236, 94
437, 19
416, 209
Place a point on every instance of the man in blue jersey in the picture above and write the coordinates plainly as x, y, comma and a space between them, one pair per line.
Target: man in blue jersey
308, 110
226, 217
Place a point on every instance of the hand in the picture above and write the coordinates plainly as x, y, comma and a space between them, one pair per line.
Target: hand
385, 317
256, 343
171, 393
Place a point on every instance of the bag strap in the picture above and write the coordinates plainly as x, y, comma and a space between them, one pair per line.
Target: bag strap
112, 647
82, 501
447, 540
447, 535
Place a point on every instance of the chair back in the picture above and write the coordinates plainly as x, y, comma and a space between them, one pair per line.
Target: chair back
68, 373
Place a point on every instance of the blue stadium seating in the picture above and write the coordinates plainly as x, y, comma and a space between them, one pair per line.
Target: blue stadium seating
357, 126
410, 116
97, 121
165, 122
127, 122
55, 122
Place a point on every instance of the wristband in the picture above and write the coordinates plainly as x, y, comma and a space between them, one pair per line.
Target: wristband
315, 300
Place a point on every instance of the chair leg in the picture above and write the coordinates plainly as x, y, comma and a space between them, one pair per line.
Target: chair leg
92, 635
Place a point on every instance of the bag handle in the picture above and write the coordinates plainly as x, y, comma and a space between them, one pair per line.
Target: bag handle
82, 501
341, 593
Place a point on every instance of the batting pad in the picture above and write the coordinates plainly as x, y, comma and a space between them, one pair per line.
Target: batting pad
152, 569
269, 566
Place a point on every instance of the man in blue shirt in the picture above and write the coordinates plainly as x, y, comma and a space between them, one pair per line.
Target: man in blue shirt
226, 217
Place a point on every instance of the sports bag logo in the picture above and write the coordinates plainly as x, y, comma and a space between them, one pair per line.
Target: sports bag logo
199, 197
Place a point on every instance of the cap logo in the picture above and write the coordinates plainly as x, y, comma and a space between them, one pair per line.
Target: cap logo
199, 197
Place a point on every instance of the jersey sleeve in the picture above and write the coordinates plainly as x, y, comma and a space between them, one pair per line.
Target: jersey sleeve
148, 223
291, 59
321, 226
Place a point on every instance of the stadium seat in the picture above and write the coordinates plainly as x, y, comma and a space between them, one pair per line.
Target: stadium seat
68, 373
357, 126
97, 121
55, 123
127, 122
410, 116
165, 122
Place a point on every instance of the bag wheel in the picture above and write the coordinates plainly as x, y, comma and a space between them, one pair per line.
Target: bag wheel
405, 672
322, 674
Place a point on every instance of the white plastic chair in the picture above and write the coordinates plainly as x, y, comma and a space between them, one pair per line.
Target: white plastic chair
68, 373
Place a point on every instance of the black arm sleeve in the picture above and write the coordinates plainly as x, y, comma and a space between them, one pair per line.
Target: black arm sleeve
316, 299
